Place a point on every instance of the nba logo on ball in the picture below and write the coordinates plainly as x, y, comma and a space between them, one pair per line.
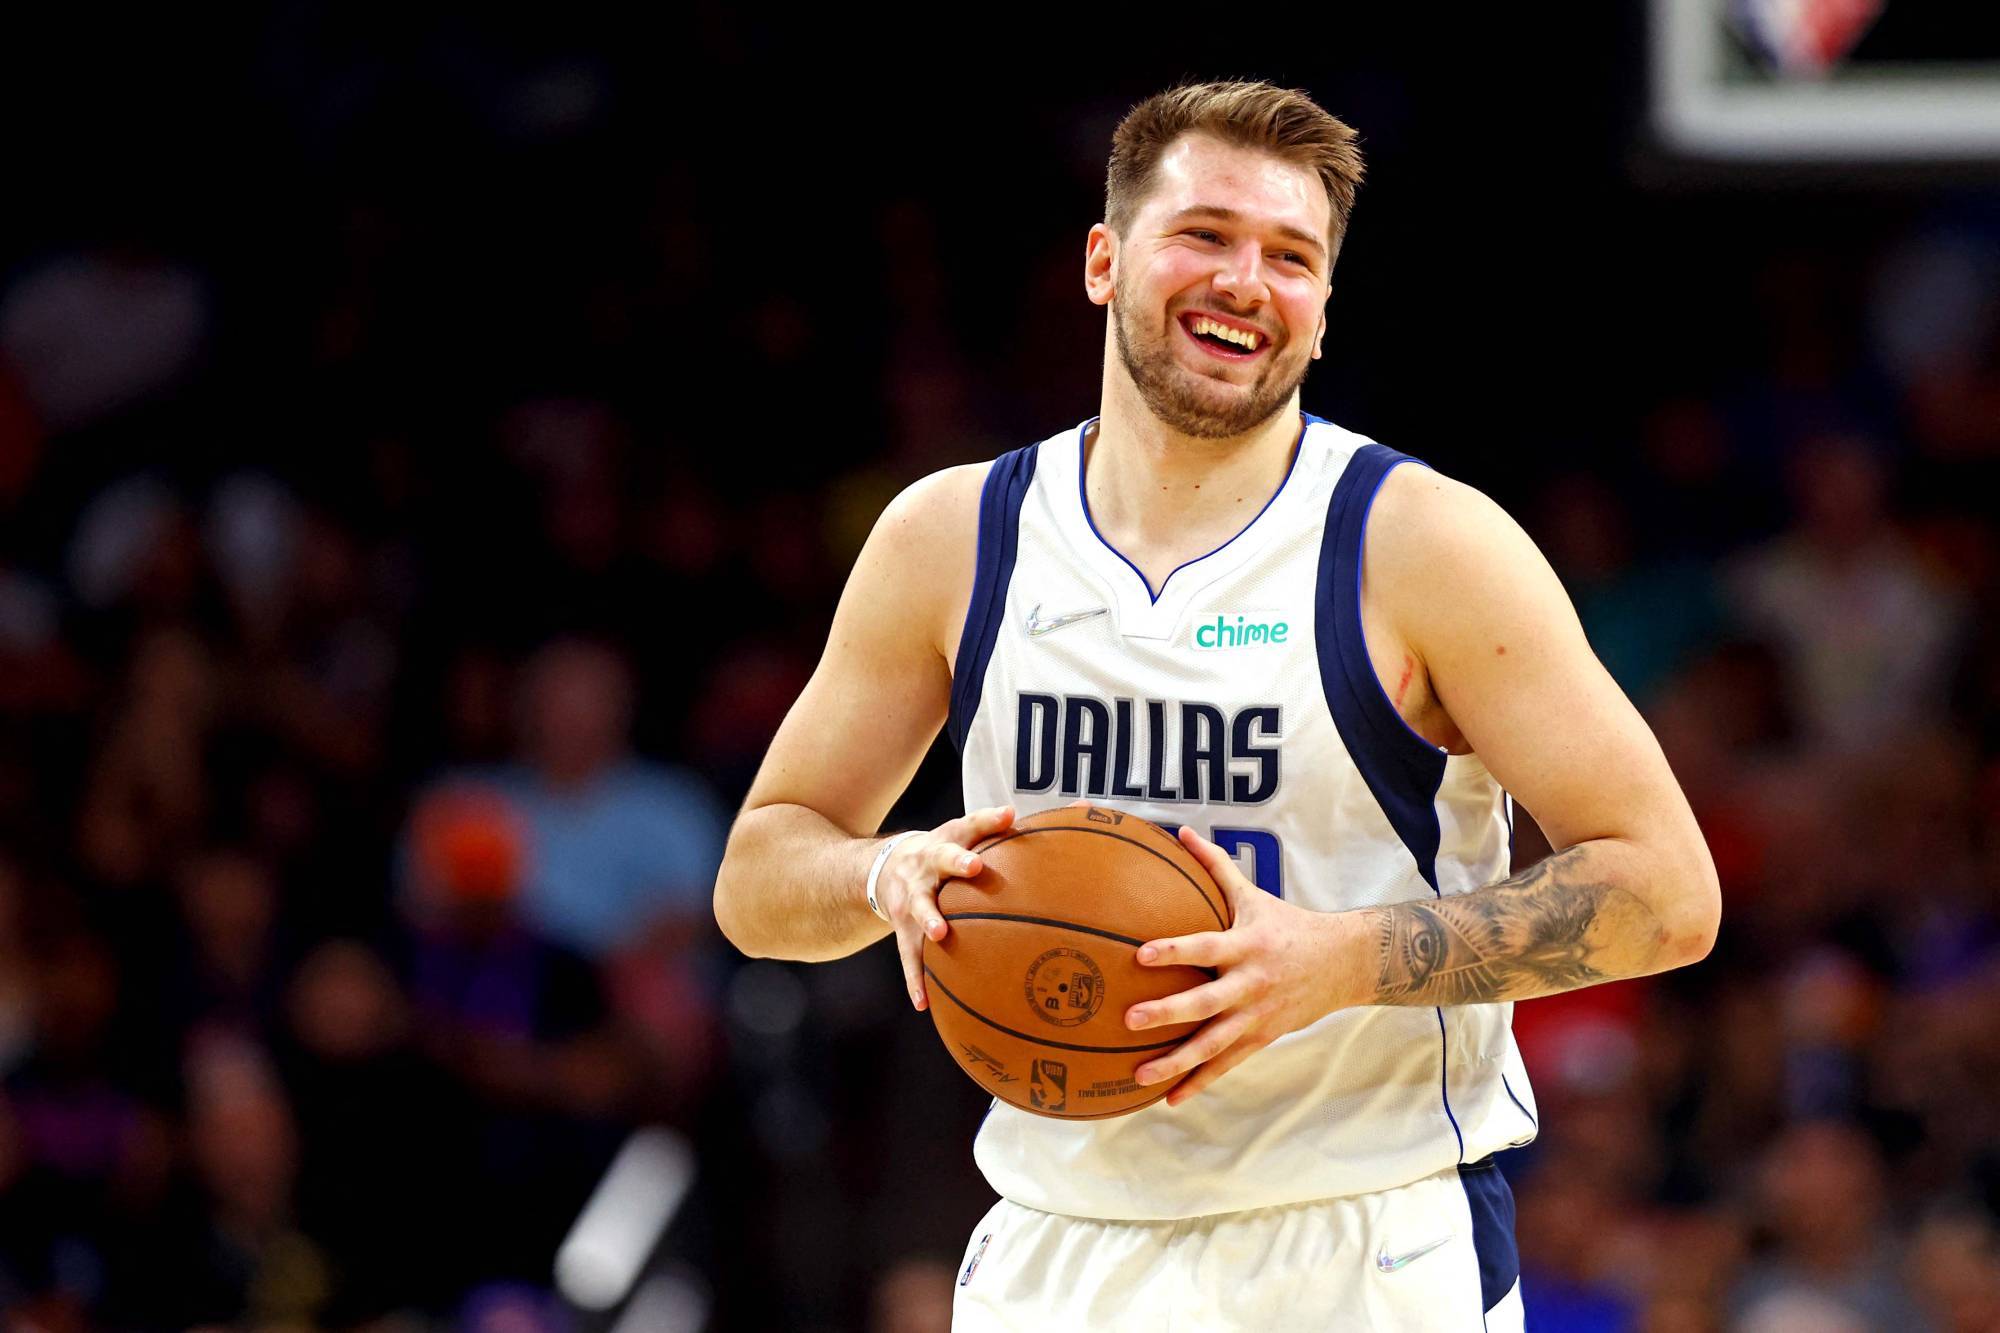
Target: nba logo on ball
1048, 1090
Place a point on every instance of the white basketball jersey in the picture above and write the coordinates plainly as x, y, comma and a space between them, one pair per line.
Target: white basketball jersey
1240, 700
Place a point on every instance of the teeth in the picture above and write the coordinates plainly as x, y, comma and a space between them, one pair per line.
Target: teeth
1242, 338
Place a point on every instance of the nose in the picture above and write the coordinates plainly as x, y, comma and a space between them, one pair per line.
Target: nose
1241, 277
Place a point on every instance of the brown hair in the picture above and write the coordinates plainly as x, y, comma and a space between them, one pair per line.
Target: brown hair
1281, 121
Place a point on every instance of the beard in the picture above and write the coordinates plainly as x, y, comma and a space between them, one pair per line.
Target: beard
1175, 394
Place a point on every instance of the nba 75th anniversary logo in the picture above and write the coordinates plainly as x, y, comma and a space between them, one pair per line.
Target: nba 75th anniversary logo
1065, 987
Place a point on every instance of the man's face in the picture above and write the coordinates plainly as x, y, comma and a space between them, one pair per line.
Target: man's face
1228, 237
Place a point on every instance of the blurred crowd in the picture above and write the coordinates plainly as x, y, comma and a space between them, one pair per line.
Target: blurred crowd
393, 607
1794, 574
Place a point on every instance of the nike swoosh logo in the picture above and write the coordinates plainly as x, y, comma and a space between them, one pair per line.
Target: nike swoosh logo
1037, 626
1389, 1263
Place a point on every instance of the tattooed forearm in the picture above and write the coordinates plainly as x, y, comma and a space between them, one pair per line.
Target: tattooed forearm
1553, 927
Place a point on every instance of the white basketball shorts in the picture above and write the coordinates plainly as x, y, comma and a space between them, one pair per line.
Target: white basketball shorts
1434, 1254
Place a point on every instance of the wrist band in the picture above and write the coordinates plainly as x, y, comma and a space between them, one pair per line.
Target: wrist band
875, 871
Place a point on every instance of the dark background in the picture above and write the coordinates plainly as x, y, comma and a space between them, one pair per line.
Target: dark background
378, 384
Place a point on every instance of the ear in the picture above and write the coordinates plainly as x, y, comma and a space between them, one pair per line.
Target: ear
1100, 265
1319, 336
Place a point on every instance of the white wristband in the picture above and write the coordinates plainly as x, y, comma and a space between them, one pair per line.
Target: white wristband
875, 871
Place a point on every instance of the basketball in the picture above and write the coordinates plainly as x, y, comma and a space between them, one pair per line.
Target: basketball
1030, 987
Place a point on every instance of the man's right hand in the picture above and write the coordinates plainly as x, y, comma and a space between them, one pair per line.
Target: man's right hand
908, 886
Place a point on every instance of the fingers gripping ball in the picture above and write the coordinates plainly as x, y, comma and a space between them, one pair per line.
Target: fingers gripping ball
1030, 987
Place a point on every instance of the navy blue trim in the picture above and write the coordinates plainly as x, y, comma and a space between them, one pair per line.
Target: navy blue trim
1491, 1200
1444, 1083
1517, 1102
999, 538
1402, 770
1083, 494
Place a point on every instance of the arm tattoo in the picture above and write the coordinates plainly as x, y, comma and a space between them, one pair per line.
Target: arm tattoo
1553, 927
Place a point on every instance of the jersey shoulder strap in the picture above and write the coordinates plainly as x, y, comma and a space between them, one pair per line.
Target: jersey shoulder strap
1403, 771
999, 539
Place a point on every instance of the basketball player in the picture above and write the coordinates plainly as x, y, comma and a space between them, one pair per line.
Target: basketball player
1330, 670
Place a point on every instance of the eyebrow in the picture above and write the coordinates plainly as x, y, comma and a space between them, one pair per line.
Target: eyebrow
1220, 214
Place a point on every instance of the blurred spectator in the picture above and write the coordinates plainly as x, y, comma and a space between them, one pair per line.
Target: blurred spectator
478, 707
616, 845
1567, 1228
326, 663
520, 1017
1935, 318
750, 688
83, 1155
1954, 1268
1865, 630
1829, 1006
1643, 621
227, 973
1683, 1262
247, 1261
251, 531
136, 561
92, 332
148, 793
1829, 1250
385, 1177
518, 1020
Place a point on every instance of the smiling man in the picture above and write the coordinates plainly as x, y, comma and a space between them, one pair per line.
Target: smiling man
1330, 671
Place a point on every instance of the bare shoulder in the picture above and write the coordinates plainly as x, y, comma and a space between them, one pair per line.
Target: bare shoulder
1442, 553
919, 560
1464, 587
936, 508
1427, 524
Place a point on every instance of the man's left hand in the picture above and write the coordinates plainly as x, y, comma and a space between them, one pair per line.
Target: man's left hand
1280, 970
